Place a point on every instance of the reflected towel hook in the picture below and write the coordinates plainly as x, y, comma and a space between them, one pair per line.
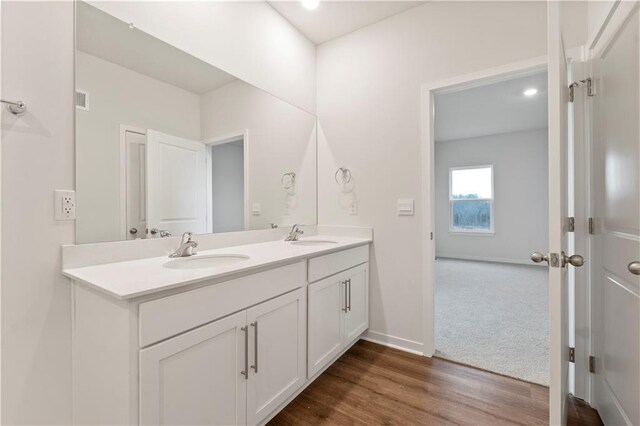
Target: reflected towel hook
288, 180
346, 175
17, 108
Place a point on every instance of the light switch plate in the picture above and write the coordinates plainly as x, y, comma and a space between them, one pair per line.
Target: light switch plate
65, 204
256, 209
405, 207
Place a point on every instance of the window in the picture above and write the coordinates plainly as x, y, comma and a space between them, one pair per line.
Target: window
471, 199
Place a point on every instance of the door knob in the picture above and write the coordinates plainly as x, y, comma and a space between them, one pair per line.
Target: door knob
133, 231
575, 260
538, 257
634, 268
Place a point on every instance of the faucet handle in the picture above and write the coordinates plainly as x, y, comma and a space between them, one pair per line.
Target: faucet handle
187, 236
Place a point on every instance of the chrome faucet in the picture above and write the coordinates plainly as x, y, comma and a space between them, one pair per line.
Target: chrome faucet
294, 233
187, 246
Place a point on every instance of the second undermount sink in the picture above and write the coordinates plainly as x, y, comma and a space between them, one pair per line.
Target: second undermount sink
313, 242
206, 261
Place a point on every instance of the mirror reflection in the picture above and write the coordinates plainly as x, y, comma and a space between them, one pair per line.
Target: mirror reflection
166, 143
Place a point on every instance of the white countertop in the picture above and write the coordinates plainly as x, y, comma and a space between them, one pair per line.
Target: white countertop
134, 278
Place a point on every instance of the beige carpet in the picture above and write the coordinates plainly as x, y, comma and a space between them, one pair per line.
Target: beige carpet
494, 316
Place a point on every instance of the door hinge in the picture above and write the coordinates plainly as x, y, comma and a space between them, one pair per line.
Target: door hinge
592, 226
572, 224
572, 354
592, 364
591, 90
572, 87
431, 235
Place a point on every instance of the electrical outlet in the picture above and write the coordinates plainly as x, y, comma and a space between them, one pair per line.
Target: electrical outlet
353, 208
65, 205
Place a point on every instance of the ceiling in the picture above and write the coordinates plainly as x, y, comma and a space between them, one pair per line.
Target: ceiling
100, 34
333, 19
492, 109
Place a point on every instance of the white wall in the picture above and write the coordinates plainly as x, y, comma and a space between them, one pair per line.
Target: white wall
249, 40
598, 11
227, 186
521, 196
37, 157
118, 96
281, 139
369, 120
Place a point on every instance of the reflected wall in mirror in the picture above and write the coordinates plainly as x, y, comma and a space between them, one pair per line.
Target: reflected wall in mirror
166, 143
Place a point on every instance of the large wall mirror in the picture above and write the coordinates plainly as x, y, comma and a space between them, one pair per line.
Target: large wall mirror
166, 143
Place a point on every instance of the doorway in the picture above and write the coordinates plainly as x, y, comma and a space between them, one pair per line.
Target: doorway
491, 204
227, 183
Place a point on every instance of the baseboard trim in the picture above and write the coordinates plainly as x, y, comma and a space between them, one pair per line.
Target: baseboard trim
488, 259
394, 342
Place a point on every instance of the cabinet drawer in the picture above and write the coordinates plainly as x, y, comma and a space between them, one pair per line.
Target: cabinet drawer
324, 266
171, 315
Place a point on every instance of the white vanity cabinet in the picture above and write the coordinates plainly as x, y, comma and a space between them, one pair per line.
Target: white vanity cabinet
338, 310
233, 371
230, 350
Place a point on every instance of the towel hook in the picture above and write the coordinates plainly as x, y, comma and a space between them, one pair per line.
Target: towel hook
288, 180
17, 108
346, 175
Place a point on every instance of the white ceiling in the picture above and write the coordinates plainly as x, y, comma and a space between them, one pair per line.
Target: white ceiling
100, 34
492, 109
333, 19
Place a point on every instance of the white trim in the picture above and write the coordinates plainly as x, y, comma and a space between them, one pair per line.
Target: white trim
220, 140
488, 259
491, 75
124, 128
393, 342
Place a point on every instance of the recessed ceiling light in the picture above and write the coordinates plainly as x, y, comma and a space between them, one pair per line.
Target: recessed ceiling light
530, 92
311, 4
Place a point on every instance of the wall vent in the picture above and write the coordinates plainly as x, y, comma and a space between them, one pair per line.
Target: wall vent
82, 100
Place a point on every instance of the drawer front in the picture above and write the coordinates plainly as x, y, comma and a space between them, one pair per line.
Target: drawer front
324, 266
172, 315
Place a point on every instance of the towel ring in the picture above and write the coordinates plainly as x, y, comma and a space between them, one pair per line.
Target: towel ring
288, 180
346, 175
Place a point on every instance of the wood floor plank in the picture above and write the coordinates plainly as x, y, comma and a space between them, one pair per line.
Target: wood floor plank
373, 384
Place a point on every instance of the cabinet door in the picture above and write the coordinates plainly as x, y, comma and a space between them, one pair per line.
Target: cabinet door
196, 378
356, 319
277, 352
326, 305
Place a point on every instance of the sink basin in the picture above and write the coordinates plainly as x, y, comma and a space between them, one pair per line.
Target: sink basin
206, 261
313, 242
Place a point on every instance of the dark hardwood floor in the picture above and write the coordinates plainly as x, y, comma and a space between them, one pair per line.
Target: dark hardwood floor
372, 384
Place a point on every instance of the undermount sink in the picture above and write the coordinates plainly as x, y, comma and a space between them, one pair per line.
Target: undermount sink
205, 262
313, 242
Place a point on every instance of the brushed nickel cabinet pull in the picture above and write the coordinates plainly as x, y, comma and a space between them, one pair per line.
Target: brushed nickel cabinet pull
245, 373
345, 296
349, 305
255, 342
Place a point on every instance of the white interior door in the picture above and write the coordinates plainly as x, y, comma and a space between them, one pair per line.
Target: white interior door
176, 184
615, 63
558, 216
136, 184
